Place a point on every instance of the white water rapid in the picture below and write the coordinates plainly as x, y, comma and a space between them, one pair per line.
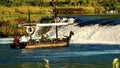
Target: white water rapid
88, 30
93, 34
6, 40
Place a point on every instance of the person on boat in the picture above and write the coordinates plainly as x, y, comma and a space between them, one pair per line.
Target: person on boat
16, 41
23, 39
44, 37
58, 19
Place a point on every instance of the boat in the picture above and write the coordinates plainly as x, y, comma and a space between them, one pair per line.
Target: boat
43, 42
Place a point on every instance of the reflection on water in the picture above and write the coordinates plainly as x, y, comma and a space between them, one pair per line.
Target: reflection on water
73, 56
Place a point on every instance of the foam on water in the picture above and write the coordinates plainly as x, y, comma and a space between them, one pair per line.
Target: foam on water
91, 34
89, 30
6, 40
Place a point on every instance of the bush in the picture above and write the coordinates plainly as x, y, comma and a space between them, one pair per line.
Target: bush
89, 10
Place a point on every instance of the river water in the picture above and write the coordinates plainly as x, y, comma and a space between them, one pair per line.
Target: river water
92, 46
73, 56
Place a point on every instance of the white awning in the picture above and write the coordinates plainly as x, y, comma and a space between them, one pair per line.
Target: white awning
51, 24
42, 24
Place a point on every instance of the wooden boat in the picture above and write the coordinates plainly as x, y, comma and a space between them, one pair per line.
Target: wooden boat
44, 42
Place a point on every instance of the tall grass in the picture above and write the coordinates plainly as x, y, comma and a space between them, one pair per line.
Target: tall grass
10, 17
37, 12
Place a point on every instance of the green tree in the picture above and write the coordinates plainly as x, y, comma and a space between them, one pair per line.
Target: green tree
6, 2
69, 2
83, 2
35, 2
41, 3
110, 4
75, 2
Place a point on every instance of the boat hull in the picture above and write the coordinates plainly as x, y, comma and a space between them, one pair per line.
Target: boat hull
19, 46
47, 45
40, 45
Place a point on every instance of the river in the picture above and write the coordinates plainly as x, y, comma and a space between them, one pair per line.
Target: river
73, 56
92, 46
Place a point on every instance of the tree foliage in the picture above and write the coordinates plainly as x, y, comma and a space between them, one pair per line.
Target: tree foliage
108, 4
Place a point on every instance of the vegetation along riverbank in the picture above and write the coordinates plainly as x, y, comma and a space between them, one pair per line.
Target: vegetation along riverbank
14, 12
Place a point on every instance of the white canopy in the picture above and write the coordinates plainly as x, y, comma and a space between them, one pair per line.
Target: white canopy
43, 24
51, 24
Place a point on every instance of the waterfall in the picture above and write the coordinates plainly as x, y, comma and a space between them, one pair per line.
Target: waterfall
95, 30
90, 34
